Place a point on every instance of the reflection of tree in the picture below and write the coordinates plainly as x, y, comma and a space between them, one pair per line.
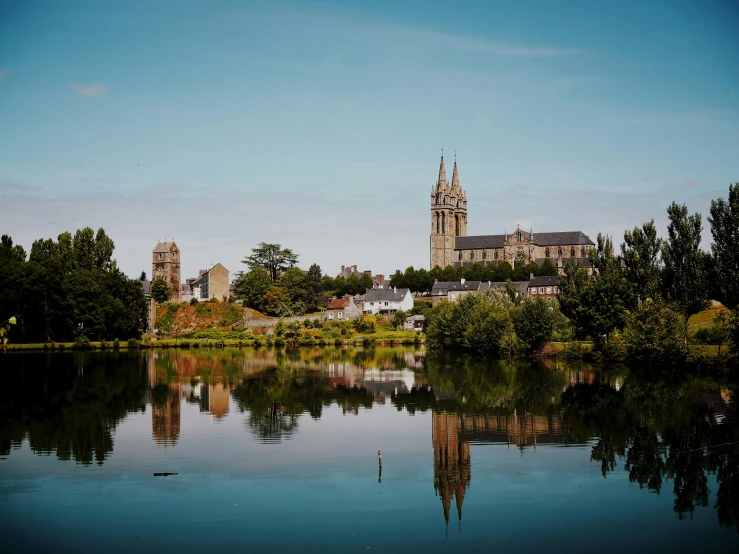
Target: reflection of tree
276, 397
662, 430
69, 404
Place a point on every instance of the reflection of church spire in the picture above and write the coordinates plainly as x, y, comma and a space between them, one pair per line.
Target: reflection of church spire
451, 462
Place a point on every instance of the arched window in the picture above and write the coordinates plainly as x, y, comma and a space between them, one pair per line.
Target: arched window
559, 252
443, 222
582, 251
546, 252
520, 258
484, 254
572, 251
456, 225
472, 254
460, 256
437, 222
495, 255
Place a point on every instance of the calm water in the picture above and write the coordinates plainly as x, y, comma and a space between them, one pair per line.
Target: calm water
278, 452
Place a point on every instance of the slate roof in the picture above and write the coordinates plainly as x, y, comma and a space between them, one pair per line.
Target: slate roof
560, 238
521, 286
442, 287
146, 287
385, 295
544, 281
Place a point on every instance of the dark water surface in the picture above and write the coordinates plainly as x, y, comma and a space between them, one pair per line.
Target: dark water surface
278, 452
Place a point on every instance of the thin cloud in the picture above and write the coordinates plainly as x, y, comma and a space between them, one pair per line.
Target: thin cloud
94, 90
3, 73
690, 183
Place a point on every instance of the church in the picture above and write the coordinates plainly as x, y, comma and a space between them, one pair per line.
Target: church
450, 244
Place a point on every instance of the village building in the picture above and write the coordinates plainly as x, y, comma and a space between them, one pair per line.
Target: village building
165, 263
543, 287
450, 245
414, 323
210, 283
387, 301
343, 309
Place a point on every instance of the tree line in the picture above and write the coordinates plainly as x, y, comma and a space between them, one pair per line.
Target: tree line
68, 288
643, 296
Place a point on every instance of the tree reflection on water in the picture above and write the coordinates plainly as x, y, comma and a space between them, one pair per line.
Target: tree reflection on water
661, 432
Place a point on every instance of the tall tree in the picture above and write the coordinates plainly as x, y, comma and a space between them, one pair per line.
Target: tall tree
253, 286
314, 287
684, 276
271, 257
724, 220
160, 290
640, 251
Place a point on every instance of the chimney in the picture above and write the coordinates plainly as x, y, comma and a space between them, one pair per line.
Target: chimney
436, 280
531, 276
462, 281
342, 269
395, 290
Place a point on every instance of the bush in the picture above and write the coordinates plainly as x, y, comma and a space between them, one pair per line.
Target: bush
81, 343
655, 334
193, 301
133, 343
572, 351
533, 323
116, 344
103, 345
364, 324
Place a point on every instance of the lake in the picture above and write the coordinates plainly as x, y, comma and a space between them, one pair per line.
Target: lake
277, 451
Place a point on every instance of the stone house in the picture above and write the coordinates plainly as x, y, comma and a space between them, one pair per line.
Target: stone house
343, 309
209, 284
543, 287
414, 323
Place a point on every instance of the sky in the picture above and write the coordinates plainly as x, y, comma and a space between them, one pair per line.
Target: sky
319, 125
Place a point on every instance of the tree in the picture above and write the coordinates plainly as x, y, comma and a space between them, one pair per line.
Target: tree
277, 302
271, 257
314, 288
724, 220
295, 283
280, 328
640, 251
399, 319
160, 290
253, 286
655, 334
684, 276
142, 277
534, 322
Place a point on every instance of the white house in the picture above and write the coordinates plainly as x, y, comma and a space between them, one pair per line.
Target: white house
387, 301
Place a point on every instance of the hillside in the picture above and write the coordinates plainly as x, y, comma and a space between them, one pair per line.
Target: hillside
204, 315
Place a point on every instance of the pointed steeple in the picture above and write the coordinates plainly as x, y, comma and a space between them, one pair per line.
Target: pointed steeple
442, 172
455, 176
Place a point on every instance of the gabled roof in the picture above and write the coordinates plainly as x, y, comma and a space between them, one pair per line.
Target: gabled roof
482, 241
560, 238
338, 304
385, 295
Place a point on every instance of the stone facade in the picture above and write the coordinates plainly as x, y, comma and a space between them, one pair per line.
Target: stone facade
450, 244
166, 263
214, 283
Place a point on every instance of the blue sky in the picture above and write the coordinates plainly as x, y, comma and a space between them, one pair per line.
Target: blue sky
319, 125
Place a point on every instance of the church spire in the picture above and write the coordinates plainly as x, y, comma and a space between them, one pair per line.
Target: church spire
442, 171
455, 176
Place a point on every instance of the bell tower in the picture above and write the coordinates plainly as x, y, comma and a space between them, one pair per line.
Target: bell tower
448, 217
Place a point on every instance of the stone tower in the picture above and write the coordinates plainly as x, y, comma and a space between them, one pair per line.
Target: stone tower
448, 216
165, 262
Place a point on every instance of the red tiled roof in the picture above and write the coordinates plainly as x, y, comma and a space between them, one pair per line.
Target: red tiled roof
338, 304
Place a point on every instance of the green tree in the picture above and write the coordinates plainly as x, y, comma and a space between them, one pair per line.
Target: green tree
533, 323
399, 319
314, 288
640, 251
277, 302
271, 257
295, 283
684, 276
160, 290
252, 287
655, 334
724, 220
142, 277
280, 328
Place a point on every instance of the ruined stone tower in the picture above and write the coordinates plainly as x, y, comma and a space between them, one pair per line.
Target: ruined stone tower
448, 217
166, 263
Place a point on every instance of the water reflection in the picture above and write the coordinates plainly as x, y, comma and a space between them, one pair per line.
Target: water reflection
660, 434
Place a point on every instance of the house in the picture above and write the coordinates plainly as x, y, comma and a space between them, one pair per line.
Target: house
211, 283
387, 301
342, 309
414, 323
454, 290
520, 286
543, 287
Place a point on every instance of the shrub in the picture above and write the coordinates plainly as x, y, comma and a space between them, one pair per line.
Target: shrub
81, 343
533, 323
365, 324
133, 344
103, 345
193, 301
655, 334
116, 344
572, 351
